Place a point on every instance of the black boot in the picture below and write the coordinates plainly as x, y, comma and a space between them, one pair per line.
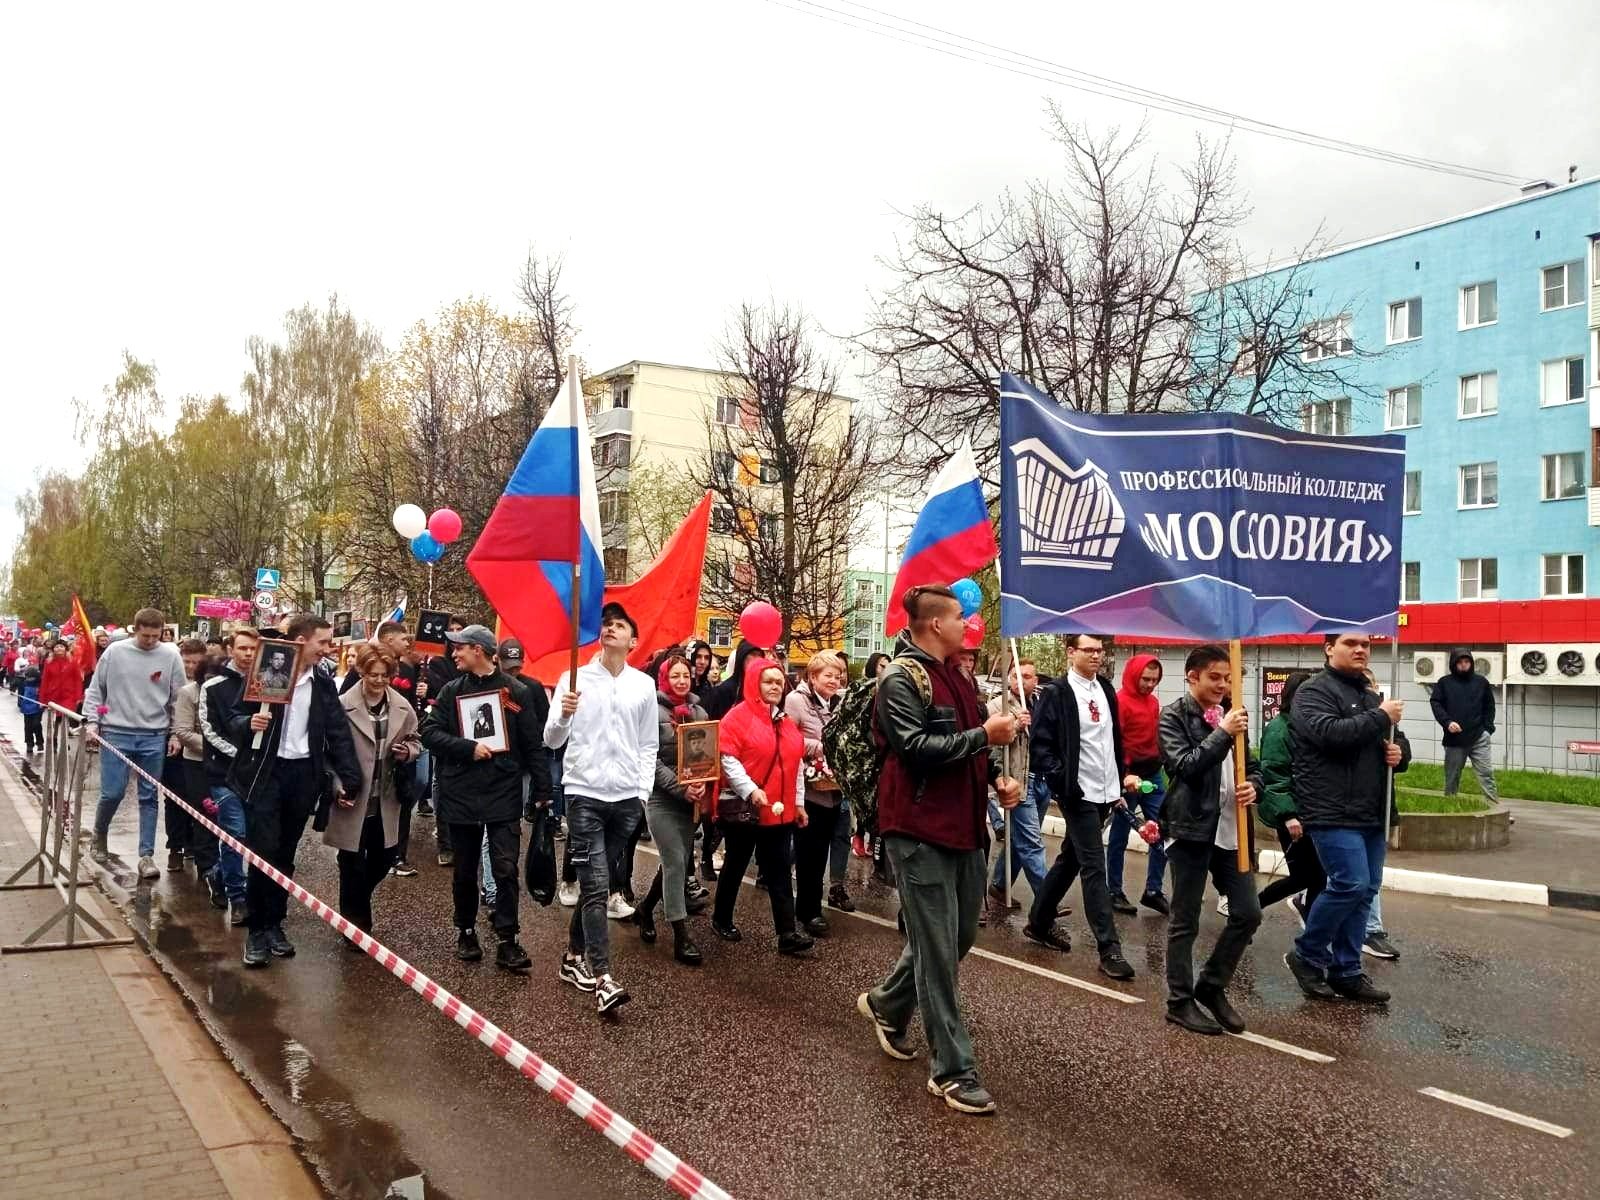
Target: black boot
683, 947
645, 915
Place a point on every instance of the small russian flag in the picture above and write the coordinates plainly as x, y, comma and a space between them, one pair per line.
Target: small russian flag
952, 537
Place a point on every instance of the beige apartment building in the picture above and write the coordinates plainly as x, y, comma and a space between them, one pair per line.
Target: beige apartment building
652, 418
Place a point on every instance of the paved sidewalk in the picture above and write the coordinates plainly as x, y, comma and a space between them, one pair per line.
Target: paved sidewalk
1554, 844
108, 1087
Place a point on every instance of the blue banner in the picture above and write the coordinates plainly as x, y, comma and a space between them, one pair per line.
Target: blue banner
1205, 526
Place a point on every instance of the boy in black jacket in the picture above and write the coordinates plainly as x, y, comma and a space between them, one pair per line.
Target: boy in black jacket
1200, 821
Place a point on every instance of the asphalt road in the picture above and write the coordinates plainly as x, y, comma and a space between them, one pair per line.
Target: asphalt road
757, 1070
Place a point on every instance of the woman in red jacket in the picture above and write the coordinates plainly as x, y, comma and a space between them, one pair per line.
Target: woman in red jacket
62, 681
763, 772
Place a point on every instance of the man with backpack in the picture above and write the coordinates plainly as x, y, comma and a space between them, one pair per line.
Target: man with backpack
932, 791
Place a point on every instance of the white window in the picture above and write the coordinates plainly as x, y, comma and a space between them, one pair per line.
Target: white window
613, 450
721, 518
1480, 394
1328, 339
769, 472
1480, 579
1480, 485
724, 468
1404, 409
1330, 417
1562, 475
1594, 258
1479, 305
1561, 381
620, 392
719, 631
772, 527
1564, 576
719, 575
1561, 285
1411, 583
1405, 320
727, 410
1413, 493
613, 506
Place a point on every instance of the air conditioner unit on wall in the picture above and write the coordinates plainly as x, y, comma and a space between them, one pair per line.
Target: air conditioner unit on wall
1554, 664
1429, 666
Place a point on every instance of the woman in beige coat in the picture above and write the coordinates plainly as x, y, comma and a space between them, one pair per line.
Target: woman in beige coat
366, 828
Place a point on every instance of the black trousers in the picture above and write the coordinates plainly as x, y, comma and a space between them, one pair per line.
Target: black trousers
811, 847
202, 842
275, 816
1191, 863
711, 838
408, 802
772, 847
180, 825
360, 872
32, 729
1305, 872
1082, 856
505, 844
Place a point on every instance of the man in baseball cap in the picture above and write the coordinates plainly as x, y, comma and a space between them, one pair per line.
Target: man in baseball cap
474, 635
511, 657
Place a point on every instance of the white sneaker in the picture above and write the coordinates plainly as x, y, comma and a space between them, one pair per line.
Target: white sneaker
1222, 906
617, 908
148, 868
567, 893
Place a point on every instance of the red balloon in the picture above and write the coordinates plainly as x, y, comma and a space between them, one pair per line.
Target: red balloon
761, 624
445, 525
972, 639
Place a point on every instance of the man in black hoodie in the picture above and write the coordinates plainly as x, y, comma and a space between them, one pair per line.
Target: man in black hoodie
1463, 704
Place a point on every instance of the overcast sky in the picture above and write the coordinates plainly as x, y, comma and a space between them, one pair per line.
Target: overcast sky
178, 176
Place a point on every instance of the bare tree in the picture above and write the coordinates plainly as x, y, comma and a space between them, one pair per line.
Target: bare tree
1086, 288
790, 468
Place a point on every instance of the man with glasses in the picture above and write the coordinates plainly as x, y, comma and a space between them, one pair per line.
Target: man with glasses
1076, 748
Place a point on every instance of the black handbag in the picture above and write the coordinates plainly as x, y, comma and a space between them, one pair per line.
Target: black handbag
539, 867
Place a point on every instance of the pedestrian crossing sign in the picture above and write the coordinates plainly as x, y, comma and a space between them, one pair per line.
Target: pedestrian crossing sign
267, 579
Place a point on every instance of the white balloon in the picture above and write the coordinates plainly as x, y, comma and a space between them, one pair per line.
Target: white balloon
409, 521
777, 809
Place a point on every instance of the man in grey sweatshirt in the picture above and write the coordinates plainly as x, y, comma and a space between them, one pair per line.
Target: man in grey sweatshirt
129, 707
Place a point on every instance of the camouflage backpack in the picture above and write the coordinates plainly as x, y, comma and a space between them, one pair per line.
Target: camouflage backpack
851, 749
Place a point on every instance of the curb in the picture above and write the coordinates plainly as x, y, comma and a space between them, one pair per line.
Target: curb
1423, 883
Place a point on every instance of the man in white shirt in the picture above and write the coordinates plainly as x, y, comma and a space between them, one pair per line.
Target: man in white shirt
1075, 747
1200, 819
611, 737
283, 781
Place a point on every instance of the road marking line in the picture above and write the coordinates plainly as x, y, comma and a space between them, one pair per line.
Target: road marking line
1491, 1110
1285, 1047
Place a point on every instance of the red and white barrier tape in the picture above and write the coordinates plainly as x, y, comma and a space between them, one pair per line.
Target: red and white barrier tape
638, 1145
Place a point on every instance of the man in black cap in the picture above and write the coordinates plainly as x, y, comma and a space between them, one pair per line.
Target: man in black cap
480, 790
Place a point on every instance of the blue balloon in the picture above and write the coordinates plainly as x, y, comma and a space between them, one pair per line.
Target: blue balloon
970, 594
426, 548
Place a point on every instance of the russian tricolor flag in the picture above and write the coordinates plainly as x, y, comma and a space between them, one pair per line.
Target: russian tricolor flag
952, 537
547, 519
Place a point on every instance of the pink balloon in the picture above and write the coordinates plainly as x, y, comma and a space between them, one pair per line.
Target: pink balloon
445, 525
761, 624
972, 637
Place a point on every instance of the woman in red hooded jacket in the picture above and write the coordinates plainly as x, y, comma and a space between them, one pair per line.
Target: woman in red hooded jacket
763, 773
62, 681
1140, 712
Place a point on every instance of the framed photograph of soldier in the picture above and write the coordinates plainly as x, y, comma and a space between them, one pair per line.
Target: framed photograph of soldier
699, 752
360, 630
341, 625
431, 628
482, 717
272, 676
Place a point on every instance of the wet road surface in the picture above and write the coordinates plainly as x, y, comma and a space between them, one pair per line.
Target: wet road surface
757, 1070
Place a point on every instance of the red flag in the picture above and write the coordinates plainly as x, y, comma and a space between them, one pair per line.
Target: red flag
83, 648
664, 601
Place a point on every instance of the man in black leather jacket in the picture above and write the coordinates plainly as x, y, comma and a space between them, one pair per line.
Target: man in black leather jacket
1342, 752
1200, 817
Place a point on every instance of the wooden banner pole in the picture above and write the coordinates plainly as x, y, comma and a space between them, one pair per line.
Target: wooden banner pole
1242, 812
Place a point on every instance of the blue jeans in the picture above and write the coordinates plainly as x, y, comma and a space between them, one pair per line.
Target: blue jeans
230, 864
839, 849
1337, 923
148, 749
1039, 793
1375, 915
1117, 840
1027, 843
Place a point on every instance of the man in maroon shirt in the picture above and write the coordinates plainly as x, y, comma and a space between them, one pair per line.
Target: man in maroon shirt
932, 802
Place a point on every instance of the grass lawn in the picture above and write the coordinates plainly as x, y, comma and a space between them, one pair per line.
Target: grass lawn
1421, 802
1519, 785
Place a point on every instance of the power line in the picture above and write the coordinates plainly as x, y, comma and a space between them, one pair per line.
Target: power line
973, 50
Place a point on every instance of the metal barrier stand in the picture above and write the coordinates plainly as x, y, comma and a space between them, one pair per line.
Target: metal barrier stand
61, 813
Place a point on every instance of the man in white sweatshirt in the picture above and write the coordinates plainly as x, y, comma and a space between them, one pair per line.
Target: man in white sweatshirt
611, 740
129, 707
